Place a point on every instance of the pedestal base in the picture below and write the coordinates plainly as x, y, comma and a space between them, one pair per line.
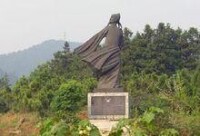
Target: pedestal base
104, 126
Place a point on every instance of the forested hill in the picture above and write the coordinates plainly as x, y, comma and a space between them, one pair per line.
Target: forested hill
23, 62
1, 73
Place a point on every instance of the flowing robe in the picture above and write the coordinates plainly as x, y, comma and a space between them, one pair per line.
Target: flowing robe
104, 60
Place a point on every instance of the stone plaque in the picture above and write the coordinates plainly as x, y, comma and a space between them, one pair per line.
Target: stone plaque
108, 105
103, 105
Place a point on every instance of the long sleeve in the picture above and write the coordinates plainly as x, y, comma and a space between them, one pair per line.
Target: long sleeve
91, 45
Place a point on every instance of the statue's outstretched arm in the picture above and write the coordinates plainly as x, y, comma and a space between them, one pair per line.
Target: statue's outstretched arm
91, 45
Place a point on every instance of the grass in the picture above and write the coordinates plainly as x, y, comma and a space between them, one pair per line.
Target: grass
9, 122
187, 124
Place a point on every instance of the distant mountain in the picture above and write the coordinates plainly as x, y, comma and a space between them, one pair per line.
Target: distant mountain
1, 73
23, 62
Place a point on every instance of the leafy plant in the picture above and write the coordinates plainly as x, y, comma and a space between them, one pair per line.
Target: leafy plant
52, 127
85, 128
150, 123
69, 98
60, 129
46, 127
118, 130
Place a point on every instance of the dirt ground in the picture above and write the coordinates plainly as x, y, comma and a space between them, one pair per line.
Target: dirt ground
19, 124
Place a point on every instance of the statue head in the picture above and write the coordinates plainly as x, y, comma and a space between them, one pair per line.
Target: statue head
115, 19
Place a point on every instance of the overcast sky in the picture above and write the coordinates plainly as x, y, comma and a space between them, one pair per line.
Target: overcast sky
24, 23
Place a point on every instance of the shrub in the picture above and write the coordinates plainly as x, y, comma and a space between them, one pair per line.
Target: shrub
3, 106
153, 122
68, 98
50, 127
85, 128
53, 127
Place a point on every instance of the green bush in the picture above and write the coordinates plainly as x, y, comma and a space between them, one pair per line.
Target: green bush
3, 106
50, 127
6, 96
46, 127
68, 98
85, 128
54, 127
153, 122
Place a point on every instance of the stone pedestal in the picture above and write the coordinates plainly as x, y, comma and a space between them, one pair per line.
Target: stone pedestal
104, 126
110, 105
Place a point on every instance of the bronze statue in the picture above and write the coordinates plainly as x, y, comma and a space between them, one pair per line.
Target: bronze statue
105, 60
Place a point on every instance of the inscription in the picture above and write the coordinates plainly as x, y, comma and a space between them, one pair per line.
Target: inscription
108, 105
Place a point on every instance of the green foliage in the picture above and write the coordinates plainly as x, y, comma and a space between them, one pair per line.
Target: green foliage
159, 70
25, 97
162, 50
52, 127
3, 106
69, 97
149, 115
60, 129
36, 92
169, 132
152, 122
5, 95
118, 130
89, 83
46, 127
127, 33
85, 128
145, 83
186, 97
177, 95
4, 82
186, 124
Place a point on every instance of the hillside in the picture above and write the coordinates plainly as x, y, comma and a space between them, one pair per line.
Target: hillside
23, 62
1, 73
160, 70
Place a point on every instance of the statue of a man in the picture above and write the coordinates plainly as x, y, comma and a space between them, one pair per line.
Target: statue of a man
105, 61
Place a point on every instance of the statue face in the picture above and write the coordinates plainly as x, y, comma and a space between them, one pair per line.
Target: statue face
114, 18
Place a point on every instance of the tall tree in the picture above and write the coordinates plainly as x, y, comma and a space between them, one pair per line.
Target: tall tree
66, 47
162, 50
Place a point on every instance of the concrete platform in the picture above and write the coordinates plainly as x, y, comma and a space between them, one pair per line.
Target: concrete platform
104, 126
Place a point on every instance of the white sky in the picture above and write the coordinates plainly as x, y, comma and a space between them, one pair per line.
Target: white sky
24, 23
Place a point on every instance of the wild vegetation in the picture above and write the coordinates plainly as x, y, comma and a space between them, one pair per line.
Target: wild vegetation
160, 70
22, 62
